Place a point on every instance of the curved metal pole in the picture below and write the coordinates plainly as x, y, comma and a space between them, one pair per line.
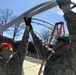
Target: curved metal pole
38, 34
42, 25
42, 21
74, 5
34, 11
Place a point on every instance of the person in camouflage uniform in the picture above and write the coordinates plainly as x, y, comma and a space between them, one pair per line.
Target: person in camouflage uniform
57, 60
11, 63
70, 18
63, 61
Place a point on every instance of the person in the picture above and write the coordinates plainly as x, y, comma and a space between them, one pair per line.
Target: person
70, 18
65, 63
11, 62
68, 64
52, 56
54, 60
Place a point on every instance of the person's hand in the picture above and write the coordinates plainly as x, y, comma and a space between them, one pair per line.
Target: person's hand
63, 2
27, 21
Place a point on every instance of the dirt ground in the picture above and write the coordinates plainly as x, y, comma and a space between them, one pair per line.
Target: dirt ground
31, 66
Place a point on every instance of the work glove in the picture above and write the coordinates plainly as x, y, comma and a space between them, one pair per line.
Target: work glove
31, 27
27, 21
62, 2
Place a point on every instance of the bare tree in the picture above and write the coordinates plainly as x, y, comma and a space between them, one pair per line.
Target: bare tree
18, 30
45, 35
6, 16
